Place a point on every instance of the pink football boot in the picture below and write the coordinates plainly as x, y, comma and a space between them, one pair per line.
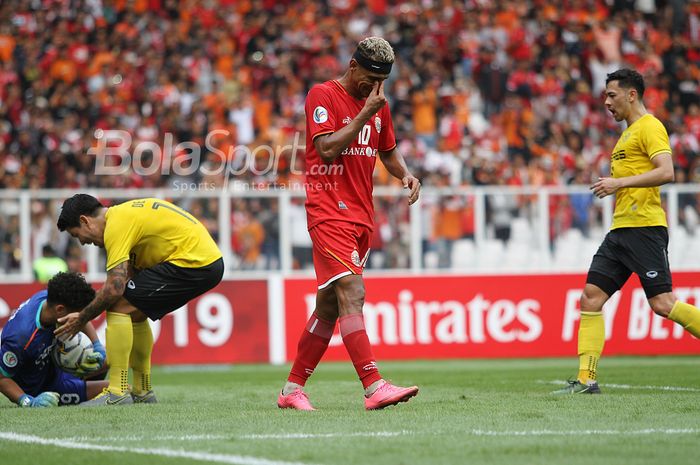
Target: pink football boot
297, 400
387, 394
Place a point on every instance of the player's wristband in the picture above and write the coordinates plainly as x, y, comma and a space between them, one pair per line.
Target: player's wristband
25, 400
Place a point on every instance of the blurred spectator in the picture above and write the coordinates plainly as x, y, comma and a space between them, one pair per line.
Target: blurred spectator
9, 243
46, 266
425, 115
581, 205
449, 227
249, 236
500, 211
512, 86
300, 239
267, 213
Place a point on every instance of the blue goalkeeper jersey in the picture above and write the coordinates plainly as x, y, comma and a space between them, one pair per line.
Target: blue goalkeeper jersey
25, 346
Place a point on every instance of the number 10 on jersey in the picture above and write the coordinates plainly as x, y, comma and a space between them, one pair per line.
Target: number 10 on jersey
363, 136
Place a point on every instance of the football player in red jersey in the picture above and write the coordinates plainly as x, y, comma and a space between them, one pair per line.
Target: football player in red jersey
348, 124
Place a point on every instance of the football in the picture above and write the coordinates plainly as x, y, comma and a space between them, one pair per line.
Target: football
68, 354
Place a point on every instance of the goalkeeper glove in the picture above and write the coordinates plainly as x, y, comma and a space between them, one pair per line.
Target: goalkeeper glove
92, 361
45, 399
98, 347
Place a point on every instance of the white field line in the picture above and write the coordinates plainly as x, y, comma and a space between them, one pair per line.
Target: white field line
218, 437
136, 437
586, 432
631, 386
161, 452
376, 434
384, 434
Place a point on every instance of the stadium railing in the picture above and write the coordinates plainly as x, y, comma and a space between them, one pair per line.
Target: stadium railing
491, 229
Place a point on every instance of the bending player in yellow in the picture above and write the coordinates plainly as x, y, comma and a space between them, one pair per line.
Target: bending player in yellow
159, 257
638, 239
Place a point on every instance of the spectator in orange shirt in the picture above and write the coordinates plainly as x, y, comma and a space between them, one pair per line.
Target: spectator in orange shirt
63, 68
102, 57
424, 114
7, 43
448, 227
250, 237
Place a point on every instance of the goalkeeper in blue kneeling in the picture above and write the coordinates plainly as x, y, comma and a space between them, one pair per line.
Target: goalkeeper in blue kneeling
28, 375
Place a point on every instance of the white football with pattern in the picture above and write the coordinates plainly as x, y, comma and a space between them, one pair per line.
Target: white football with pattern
68, 354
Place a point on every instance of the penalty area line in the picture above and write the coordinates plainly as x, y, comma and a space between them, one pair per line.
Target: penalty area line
160, 452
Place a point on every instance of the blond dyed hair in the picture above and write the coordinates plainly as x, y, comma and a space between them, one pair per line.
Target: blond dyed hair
377, 49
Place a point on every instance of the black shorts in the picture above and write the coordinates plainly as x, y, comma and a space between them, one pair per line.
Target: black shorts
643, 251
165, 287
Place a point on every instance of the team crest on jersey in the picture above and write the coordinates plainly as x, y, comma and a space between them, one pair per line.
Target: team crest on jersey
320, 115
355, 257
10, 359
347, 120
378, 124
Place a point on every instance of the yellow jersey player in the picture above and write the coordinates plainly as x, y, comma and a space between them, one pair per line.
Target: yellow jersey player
159, 257
638, 239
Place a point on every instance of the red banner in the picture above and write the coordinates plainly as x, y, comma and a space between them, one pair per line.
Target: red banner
227, 324
495, 316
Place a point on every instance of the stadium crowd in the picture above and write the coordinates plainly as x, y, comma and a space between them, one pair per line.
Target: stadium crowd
484, 92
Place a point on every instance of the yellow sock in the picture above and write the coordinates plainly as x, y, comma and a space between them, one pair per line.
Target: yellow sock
119, 338
591, 339
140, 360
687, 316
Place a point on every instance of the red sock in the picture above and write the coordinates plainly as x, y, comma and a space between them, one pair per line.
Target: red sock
352, 328
312, 345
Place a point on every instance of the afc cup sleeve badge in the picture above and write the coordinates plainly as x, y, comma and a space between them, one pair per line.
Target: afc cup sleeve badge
320, 115
10, 359
378, 124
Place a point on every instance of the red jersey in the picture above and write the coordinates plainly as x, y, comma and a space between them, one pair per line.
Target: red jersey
342, 190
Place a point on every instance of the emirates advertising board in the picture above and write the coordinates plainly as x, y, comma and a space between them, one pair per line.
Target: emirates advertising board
228, 324
426, 317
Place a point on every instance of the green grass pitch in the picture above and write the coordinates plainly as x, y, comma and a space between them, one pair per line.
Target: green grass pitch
468, 412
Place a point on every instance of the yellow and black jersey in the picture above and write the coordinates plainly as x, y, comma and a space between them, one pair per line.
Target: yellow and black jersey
153, 231
638, 145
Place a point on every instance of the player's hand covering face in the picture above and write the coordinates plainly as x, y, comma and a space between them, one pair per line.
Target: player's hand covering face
376, 98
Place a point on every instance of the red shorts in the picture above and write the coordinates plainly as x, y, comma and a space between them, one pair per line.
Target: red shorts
340, 249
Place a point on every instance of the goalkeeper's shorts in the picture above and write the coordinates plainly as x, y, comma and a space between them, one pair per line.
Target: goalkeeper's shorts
72, 389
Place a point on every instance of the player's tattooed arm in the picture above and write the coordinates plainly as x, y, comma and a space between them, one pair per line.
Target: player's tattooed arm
112, 291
